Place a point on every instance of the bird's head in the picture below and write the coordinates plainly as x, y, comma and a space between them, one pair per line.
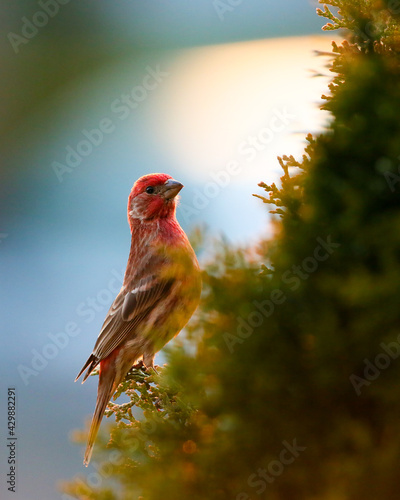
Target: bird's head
153, 196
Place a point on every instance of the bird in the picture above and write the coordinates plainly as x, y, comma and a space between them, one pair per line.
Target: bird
160, 292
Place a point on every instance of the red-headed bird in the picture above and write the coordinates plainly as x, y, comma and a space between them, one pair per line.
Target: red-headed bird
160, 292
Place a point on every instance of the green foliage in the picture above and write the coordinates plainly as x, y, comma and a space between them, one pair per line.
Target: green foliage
288, 386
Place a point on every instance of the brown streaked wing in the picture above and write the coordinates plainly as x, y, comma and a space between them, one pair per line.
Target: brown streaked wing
144, 296
127, 312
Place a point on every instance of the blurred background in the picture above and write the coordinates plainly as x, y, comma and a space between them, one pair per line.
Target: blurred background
94, 95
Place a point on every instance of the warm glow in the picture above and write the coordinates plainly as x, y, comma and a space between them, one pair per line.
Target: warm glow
218, 97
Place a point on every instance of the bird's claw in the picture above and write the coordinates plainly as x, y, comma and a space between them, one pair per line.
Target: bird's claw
147, 369
138, 365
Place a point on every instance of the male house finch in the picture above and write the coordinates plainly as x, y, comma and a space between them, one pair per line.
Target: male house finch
160, 292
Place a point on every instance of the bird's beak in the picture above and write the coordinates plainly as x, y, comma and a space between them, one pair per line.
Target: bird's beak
171, 188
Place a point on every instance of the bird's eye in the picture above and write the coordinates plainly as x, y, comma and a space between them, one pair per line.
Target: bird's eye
150, 190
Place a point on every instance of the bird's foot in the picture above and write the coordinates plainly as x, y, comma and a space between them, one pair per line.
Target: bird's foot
138, 365
138, 371
149, 369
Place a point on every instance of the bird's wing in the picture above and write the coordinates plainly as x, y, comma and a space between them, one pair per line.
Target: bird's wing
127, 311
144, 296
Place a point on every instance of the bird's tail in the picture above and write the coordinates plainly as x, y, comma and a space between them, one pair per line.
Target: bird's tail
104, 393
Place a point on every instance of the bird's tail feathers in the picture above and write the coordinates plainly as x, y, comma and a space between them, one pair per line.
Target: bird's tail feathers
104, 393
90, 364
